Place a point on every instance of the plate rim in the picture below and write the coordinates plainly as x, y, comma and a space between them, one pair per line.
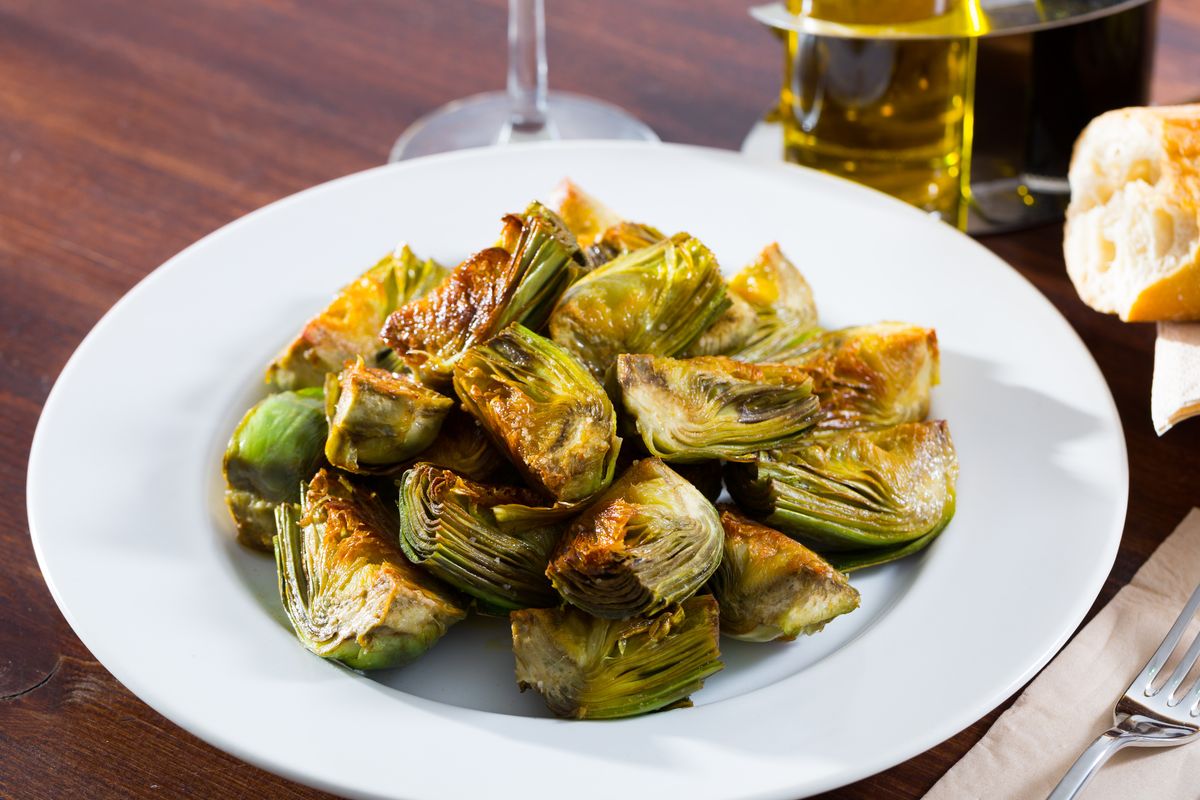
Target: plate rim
918, 743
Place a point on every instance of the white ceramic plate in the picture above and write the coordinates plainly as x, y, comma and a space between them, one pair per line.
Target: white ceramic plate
125, 504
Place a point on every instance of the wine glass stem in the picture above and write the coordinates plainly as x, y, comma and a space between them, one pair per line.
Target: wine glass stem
527, 66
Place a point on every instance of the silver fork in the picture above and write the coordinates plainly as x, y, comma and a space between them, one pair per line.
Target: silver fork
1144, 716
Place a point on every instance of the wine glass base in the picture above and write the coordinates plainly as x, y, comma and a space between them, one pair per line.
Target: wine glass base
483, 120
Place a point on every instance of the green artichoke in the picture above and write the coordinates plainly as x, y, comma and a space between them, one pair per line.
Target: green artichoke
714, 407
772, 587
656, 300
854, 491
543, 410
589, 668
450, 525
463, 446
786, 315
378, 419
517, 282
277, 445
651, 540
349, 326
348, 591
873, 376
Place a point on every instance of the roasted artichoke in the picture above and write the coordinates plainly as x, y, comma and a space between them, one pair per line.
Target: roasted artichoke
656, 300
378, 419
873, 376
651, 540
542, 409
349, 326
590, 668
786, 315
714, 407
348, 590
585, 216
772, 587
277, 445
854, 490
517, 282
449, 525
729, 332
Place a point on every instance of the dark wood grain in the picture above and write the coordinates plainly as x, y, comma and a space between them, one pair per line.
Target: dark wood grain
129, 129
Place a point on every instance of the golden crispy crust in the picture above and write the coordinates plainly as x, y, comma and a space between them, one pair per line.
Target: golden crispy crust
459, 310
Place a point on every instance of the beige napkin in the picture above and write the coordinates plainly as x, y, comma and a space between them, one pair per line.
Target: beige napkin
1069, 704
1175, 394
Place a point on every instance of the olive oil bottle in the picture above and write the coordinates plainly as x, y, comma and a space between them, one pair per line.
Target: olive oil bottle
886, 98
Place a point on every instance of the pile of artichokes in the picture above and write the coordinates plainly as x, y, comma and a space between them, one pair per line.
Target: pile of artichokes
543, 433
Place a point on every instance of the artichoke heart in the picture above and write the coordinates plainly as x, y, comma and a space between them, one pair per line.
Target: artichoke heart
349, 592
854, 490
651, 540
588, 668
378, 419
772, 587
457, 529
349, 326
543, 410
785, 312
517, 282
656, 300
277, 445
713, 407
873, 376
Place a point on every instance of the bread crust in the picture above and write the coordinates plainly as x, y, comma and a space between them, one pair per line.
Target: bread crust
1121, 210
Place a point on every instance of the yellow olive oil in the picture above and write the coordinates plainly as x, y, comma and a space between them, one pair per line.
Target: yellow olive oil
882, 105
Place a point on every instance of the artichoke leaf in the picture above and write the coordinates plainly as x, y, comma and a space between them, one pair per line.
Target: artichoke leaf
584, 216
649, 541
772, 587
517, 282
730, 332
786, 314
349, 325
276, 445
448, 525
872, 376
378, 419
656, 300
543, 410
854, 490
713, 407
588, 668
348, 590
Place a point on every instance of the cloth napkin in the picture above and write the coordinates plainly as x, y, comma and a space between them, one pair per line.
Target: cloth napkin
1069, 704
1175, 394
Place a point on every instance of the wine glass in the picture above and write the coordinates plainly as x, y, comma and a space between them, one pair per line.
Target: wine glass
526, 111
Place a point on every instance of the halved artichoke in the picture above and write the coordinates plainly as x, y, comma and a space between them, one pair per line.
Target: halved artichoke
349, 326
786, 315
651, 540
656, 300
277, 444
543, 410
450, 526
517, 282
348, 590
854, 490
585, 216
377, 419
771, 587
589, 668
872, 376
712, 407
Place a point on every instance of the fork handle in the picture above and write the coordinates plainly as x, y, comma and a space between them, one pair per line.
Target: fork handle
1090, 761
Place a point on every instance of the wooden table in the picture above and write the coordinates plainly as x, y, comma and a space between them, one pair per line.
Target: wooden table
130, 129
